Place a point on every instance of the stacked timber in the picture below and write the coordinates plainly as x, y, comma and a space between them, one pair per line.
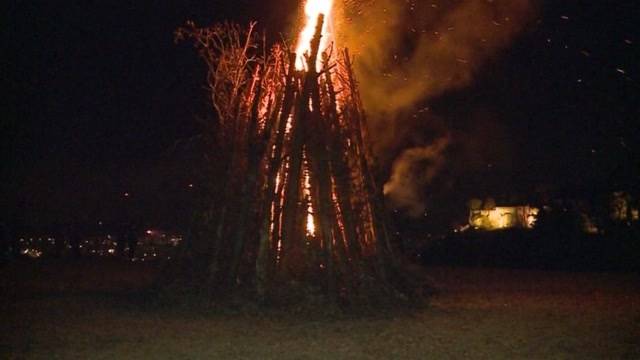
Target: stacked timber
298, 200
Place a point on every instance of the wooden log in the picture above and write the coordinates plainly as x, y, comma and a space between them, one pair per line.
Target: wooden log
269, 239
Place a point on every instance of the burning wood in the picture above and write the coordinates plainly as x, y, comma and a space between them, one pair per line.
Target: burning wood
300, 201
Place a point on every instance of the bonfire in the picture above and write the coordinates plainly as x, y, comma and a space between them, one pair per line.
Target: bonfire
299, 202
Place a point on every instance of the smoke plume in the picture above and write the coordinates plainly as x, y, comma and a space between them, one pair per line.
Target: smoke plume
414, 168
408, 52
411, 50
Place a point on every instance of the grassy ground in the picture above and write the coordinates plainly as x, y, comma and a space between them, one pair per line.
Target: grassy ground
54, 311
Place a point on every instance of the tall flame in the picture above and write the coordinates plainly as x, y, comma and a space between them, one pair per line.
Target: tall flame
312, 9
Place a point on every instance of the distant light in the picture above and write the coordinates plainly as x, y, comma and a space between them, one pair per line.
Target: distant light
191, 185
126, 194
33, 253
149, 232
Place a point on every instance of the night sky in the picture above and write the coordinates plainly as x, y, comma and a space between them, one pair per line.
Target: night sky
101, 102
567, 96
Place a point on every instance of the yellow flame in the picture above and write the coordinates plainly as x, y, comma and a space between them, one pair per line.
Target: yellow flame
312, 9
311, 226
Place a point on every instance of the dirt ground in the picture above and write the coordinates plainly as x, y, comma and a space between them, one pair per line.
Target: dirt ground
50, 312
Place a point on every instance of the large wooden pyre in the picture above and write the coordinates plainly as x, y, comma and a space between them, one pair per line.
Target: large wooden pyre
299, 203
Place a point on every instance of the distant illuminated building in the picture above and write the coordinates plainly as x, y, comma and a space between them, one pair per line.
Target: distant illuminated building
503, 217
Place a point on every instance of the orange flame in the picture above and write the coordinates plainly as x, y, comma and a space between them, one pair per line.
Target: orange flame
312, 9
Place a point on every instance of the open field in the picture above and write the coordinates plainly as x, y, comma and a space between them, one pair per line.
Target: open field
92, 311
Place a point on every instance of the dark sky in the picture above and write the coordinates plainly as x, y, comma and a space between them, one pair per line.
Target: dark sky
567, 93
99, 95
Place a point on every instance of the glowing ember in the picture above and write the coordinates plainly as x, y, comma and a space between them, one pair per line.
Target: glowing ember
312, 9
311, 227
